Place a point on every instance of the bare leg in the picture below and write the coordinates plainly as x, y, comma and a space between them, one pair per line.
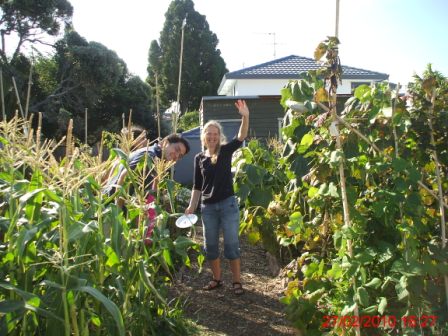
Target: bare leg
215, 265
216, 282
235, 267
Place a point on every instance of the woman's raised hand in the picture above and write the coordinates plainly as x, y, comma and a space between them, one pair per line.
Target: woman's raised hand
241, 105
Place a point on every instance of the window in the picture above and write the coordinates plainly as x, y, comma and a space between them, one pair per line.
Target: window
354, 85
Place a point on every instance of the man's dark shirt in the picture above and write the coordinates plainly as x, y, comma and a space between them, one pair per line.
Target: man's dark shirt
134, 158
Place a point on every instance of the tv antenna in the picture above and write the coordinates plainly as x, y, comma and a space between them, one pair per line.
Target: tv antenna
274, 42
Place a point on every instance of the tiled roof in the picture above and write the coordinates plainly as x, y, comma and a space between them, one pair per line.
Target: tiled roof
292, 66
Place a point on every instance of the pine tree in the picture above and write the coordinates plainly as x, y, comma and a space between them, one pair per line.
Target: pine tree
202, 64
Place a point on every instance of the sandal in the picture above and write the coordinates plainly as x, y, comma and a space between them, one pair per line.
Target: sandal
213, 284
237, 288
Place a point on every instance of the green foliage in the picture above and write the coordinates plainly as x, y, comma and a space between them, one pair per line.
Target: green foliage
72, 262
257, 180
388, 260
46, 70
79, 75
31, 19
188, 121
88, 75
395, 222
202, 64
26, 23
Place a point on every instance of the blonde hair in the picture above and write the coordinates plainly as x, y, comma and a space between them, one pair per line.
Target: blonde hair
222, 138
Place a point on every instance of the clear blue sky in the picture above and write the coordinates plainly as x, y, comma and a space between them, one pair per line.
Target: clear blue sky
397, 37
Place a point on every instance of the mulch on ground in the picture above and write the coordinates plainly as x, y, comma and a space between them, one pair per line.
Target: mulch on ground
221, 312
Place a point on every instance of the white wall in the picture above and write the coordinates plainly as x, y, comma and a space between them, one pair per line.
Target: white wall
267, 87
261, 87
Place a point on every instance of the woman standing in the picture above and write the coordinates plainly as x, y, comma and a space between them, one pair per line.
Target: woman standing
219, 206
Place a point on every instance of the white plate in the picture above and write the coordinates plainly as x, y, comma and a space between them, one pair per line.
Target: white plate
186, 221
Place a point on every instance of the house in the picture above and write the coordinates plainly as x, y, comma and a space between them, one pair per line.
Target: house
269, 78
260, 86
265, 118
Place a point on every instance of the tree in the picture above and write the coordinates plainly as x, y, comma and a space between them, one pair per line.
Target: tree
30, 19
133, 95
203, 66
27, 21
88, 75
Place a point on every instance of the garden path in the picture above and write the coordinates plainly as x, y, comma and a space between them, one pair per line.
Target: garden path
221, 312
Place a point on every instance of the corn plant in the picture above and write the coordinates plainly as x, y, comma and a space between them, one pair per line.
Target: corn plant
72, 262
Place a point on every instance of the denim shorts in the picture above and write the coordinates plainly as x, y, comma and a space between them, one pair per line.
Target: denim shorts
225, 216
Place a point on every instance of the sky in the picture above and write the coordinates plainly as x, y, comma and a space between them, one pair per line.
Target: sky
396, 37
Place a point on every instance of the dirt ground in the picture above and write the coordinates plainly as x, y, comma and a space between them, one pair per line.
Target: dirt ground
221, 312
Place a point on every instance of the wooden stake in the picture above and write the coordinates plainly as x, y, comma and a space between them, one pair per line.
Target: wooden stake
157, 105
18, 97
439, 183
25, 129
2, 95
85, 126
27, 104
347, 220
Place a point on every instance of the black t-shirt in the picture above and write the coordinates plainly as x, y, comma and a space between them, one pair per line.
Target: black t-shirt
215, 180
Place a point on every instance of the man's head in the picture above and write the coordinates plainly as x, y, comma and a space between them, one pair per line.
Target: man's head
174, 147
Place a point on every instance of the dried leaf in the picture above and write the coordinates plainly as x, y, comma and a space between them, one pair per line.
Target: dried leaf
428, 85
321, 95
320, 51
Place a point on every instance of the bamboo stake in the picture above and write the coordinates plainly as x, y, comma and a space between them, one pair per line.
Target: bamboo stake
69, 142
25, 129
177, 112
38, 134
157, 105
345, 206
337, 19
394, 130
18, 97
85, 126
28, 94
439, 182
397, 155
2, 95
130, 120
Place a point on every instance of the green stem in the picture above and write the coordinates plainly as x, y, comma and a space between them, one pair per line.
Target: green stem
63, 247
397, 155
74, 320
439, 184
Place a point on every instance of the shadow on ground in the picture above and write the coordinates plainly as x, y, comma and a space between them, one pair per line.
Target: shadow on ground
221, 312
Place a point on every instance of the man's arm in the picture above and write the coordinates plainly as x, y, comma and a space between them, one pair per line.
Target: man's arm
120, 182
